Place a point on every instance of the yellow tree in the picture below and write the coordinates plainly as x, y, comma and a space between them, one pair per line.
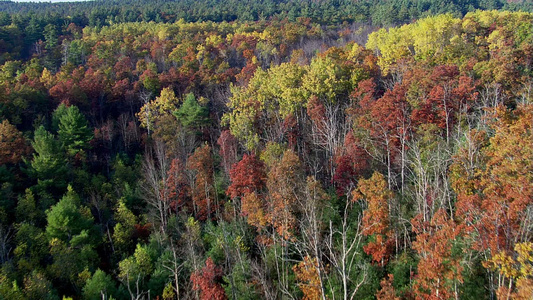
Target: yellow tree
257, 111
161, 106
308, 278
515, 270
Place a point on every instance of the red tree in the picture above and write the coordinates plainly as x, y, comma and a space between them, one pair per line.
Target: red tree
203, 192
206, 281
13, 146
247, 182
178, 189
247, 176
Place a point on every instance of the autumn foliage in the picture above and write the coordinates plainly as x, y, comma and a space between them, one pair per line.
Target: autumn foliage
308, 148
376, 221
206, 281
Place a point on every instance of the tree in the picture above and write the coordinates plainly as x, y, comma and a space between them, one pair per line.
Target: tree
37, 286
31, 247
135, 270
439, 270
68, 219
248, 182
178, 187
492, 183
228, 150
284, 183
376, 218
309, 278
384, 125
257, 111
202, 189
49, 163
516, 268
152, 111
74, 131
99, 286
124, 229
13, 146
27, 209
72, 237
155, 172
387, 291
344, 242
191, 114
351, 163
205, 281
443, 95
58, 113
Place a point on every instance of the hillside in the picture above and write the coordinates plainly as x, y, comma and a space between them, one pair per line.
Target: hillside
302, 154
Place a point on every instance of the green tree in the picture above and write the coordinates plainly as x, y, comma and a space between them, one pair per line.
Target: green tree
74, 131
72, 237
49, 164
68, 220
135, 270
9, 289
38, 287
99, 285
50, 35
60, 111
191, 114
27, 209
31, 247
124, 229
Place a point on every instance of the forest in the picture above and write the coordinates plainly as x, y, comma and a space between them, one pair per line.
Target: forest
273, 149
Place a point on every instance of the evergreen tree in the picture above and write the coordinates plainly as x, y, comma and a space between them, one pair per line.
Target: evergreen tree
74, 131
49, 163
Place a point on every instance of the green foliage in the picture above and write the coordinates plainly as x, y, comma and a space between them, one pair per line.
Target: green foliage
100, 284
474, 281
59, 113
72, 237
49, 162
238, 284
168, 292
69, 221
31, 247
191, 114
137, 269
27, 209
9, 289
402, 269
124, 228
37, 286
74, 131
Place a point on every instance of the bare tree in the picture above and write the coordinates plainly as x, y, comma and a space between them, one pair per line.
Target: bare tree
5, 248
344, 243
155, 170
329, 132
174, 265
311, 226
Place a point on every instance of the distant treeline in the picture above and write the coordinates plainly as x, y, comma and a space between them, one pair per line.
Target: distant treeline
24, 24
99, 12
